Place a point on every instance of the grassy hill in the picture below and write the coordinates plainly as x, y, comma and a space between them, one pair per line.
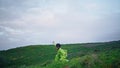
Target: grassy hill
86, 55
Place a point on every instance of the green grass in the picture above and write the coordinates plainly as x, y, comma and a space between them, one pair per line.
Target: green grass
87, 55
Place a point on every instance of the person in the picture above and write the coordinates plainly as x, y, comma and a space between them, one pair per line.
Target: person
61, 54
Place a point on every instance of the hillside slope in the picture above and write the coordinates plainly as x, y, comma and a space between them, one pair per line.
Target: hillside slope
87, 55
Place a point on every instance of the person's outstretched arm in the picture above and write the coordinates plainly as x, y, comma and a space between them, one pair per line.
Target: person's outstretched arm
54, 43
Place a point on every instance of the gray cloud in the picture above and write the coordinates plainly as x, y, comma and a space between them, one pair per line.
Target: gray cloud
41, 22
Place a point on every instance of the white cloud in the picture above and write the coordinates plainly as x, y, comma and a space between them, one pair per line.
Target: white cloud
45, 18
1, 33
12, 31
91, 6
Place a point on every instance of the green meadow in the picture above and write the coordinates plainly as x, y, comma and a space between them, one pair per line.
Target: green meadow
84, 55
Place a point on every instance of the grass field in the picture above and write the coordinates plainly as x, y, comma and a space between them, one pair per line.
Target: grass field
86, 55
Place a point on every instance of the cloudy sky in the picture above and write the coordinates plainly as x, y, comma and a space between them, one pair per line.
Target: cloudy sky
25, 22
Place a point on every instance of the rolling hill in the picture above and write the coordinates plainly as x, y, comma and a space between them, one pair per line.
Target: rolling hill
85, 55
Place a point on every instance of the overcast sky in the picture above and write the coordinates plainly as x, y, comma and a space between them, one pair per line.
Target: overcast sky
25, 22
